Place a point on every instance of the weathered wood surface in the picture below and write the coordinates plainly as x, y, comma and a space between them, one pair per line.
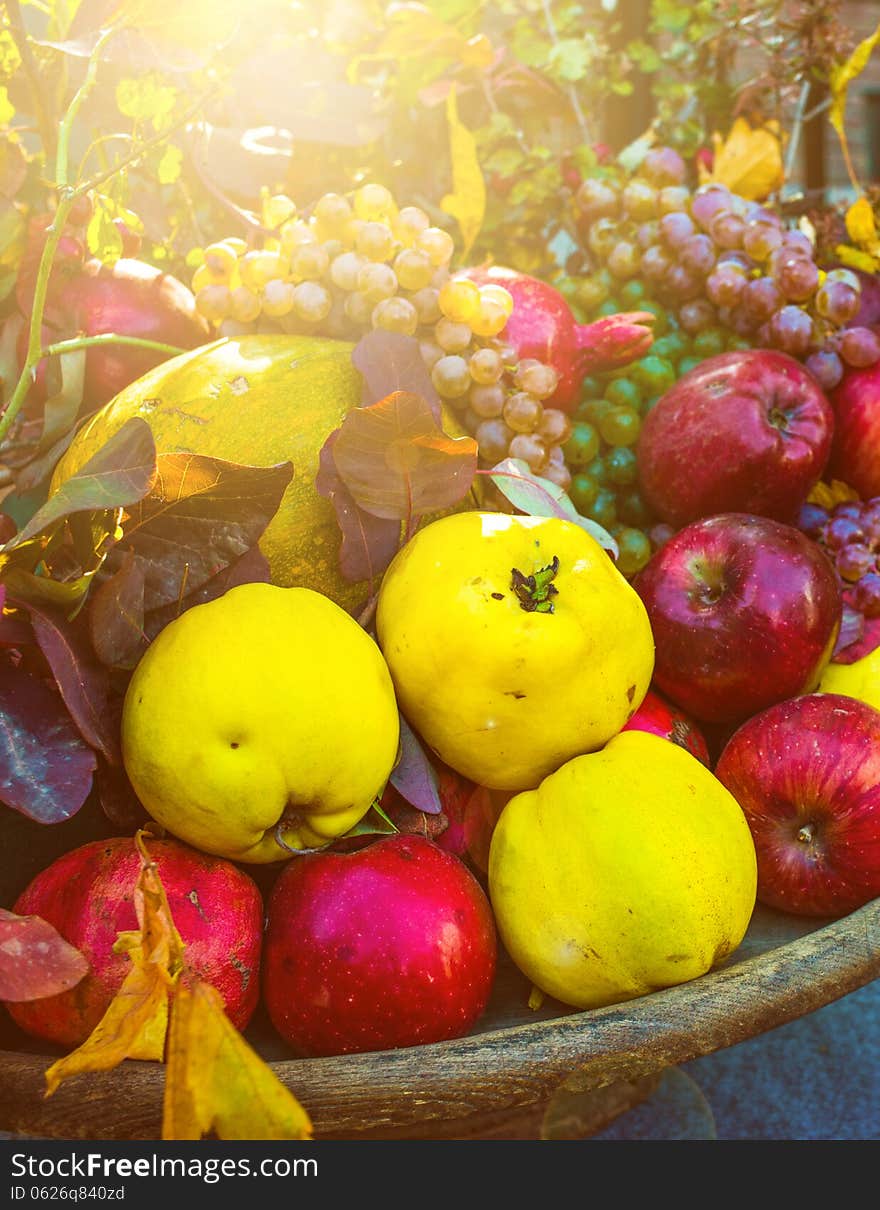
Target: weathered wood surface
493, 1083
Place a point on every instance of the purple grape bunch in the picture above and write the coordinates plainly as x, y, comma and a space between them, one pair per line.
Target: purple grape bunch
849, 532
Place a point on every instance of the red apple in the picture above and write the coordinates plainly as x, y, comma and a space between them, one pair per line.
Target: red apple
543, 326
661, 718
390, 945
88, 895
747, 432
806, 772
745, 612
855, 451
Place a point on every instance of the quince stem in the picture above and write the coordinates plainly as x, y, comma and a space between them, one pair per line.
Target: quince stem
534, 592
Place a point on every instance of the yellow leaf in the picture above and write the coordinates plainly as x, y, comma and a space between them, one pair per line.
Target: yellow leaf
855, 258
827, 495
135, 1024
749, 160
840, 79
216, 1082
861, 226
7, 109
467, 202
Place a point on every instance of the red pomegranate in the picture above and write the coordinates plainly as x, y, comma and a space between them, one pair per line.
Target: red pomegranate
543, 326
88, 895
129, 297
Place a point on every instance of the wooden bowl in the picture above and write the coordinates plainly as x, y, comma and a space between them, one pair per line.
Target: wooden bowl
500, 1080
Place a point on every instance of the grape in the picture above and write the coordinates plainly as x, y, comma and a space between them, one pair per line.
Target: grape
437, 244
523, 412
538, 379
359, 308
796, 241
555, 428
812, 519
487, 401
591, 292
312, 301
373, 203
633, 551
602, 237
622, 465
859, 347
676, 229
430, 352
709, 200
710, 342
624, 259
451, 376
309, 262
427, 305
791, 331
603, 509
499, 296
698, 255
672, 198
486, 366
620, 426
531, 449
558, 473
727, 229
296, 235
597, 199
866, 595
409, 225
624, 392
761, 238
413, 268
331, 213
837, 302
375, 242
660, 534
582, 445
376, 281
854, 561
278, 298
459, 300
664, 166
647, 234
760, 299
490, 318
220, 261
245, 305
632, 509
696, 315
796, 277
846, 277
681, 284
841, 531
214, 302
583, 492
725, 285
493, 439
395, 315
345, 270
639, 200
452, 337
826, 367
655, 264
258, 267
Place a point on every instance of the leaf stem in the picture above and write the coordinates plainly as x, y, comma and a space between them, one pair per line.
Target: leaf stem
62, 157
108, 338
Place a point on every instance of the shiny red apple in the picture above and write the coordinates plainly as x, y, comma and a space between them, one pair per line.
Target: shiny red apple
855, 451
661, 718
745, 612
806, 773
88, 895
392, 944
748, 432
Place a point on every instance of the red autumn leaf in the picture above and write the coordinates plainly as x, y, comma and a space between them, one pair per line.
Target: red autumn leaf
398, 463
251, 568
414, 777
35, 960
84, 684
368, 543
116, 616
390, 361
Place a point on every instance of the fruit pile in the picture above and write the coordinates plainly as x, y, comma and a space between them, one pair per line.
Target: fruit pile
353, 266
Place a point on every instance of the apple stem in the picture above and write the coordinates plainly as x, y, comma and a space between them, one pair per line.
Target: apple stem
534, 592
806, 833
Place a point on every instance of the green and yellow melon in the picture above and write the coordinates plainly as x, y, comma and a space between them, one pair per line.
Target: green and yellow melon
258, 400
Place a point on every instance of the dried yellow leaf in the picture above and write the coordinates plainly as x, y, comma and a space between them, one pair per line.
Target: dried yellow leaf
135, 1024
856, 258
749, 160
467, 202
216, 1083
839, 81
861, 226
828, 495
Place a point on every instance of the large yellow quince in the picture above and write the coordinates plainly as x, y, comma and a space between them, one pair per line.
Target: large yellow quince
514, 643
860, 679
267, 706
627, 870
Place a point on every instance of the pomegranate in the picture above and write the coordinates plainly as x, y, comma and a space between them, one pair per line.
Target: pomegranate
543, 326
88, 895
